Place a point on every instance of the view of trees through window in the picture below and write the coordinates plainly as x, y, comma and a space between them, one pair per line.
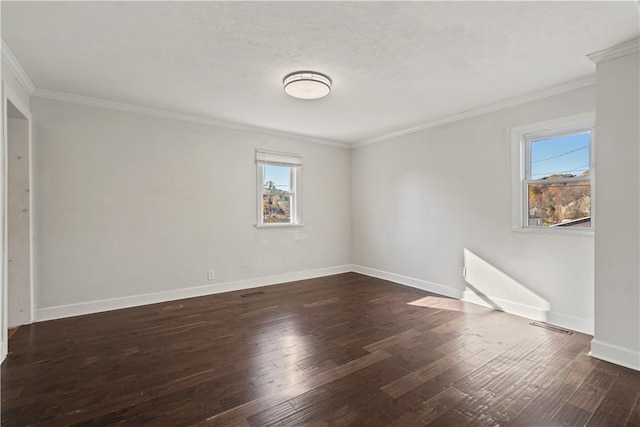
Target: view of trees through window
276, 194
558, 184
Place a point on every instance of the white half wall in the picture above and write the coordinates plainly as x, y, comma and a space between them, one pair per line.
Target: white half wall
128, 205
420, 200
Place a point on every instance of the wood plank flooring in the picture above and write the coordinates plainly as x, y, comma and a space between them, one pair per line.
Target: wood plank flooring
335, 351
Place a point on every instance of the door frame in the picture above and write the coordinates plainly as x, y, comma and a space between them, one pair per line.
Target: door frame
8, 95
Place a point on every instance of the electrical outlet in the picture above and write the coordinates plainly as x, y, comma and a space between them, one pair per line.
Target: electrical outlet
211, 275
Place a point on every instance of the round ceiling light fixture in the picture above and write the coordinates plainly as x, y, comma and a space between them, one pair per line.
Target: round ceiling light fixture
307, 85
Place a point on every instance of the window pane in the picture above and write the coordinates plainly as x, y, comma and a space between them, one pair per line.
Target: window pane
276, 208
276, 196
564, 204
560, 157
277, 177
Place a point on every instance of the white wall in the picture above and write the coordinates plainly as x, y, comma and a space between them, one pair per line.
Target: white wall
419, 200
617, 246
127, 205
132, 209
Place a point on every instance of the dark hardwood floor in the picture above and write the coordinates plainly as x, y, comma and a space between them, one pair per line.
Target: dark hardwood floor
341, 350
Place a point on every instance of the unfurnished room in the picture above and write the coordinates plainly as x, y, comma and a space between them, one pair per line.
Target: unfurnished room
282, 213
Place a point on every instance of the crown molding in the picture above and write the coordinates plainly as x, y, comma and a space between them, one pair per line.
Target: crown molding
622, 49
112, 105
16, 69
577, 84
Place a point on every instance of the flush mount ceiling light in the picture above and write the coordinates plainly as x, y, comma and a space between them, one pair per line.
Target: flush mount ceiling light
307, 85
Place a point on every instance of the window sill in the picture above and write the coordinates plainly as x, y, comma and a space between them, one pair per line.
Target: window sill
278, 225
554, 231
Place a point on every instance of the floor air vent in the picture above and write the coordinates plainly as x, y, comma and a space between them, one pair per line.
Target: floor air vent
251, 294
552, 328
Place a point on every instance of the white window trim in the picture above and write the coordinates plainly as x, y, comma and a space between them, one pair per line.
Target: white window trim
519, 160
294, 161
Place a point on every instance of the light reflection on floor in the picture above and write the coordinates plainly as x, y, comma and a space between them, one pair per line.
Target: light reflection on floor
279, 351
449, 304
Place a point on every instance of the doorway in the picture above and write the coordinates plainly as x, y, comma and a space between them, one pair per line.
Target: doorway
18, 214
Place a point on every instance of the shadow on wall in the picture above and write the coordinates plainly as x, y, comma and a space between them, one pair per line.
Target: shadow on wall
487, 285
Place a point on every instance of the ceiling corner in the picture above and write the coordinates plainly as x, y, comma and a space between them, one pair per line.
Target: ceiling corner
16, 69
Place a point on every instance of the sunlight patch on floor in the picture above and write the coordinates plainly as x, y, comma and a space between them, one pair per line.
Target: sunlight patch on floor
449, 304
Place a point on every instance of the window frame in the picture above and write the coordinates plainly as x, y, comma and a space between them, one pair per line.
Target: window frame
294, 163
522, 138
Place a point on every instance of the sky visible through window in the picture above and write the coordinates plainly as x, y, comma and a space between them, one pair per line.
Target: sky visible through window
562, 155
279, 175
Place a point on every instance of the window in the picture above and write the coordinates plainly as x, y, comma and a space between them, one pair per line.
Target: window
278, 188
556, 176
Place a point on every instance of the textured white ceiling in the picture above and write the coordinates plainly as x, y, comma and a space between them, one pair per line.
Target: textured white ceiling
394, 65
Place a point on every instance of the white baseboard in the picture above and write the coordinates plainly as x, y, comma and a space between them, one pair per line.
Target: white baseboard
466, 295
4, 349
409, 281
58, 312
615, 354
534, 313
530, 312
61, 311
577, 324
511, 307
